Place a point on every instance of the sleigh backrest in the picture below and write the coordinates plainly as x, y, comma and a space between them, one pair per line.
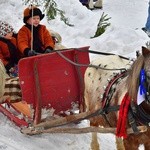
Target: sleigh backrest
49, 80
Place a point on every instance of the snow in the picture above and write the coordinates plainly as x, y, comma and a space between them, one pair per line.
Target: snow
123, 37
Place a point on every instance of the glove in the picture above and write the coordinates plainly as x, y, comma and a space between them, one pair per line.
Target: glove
48, 50
28, 52
31, 53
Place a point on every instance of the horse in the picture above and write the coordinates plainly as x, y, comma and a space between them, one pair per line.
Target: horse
113, 86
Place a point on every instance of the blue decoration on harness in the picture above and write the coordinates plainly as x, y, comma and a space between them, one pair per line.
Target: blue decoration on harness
142, 82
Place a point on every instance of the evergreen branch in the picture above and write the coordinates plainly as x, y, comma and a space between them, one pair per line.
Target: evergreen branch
102, 25
51, 9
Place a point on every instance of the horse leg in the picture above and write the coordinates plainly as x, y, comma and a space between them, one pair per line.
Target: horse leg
94, 143
147, 146
131, 143
98, 4
119, 144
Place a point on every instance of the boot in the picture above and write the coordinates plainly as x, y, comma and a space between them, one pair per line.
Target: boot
98, 4
91, 5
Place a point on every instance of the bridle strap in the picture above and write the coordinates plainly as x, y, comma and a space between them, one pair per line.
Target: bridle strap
132, 121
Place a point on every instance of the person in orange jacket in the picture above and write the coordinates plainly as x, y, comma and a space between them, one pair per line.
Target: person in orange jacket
33, 37
9, 54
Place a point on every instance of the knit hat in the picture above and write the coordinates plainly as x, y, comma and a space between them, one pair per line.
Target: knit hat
5, 28
28, 13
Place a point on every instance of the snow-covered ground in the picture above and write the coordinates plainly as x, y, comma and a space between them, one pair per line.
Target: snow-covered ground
123, 37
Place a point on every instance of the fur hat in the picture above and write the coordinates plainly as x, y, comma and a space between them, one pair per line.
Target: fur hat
5, 28
28, 13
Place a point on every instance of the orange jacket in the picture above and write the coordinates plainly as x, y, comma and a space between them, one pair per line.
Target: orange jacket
8, 52
24, 38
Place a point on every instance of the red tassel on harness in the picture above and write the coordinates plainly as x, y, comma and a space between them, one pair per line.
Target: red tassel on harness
123, 112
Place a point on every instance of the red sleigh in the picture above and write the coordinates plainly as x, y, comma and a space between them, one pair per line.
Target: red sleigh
53, 80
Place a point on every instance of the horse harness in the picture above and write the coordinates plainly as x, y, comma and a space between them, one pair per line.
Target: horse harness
108, 93
136, 114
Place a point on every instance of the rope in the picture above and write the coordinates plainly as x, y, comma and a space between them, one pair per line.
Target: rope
96, 52
59, 52
32, 26
86, 65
